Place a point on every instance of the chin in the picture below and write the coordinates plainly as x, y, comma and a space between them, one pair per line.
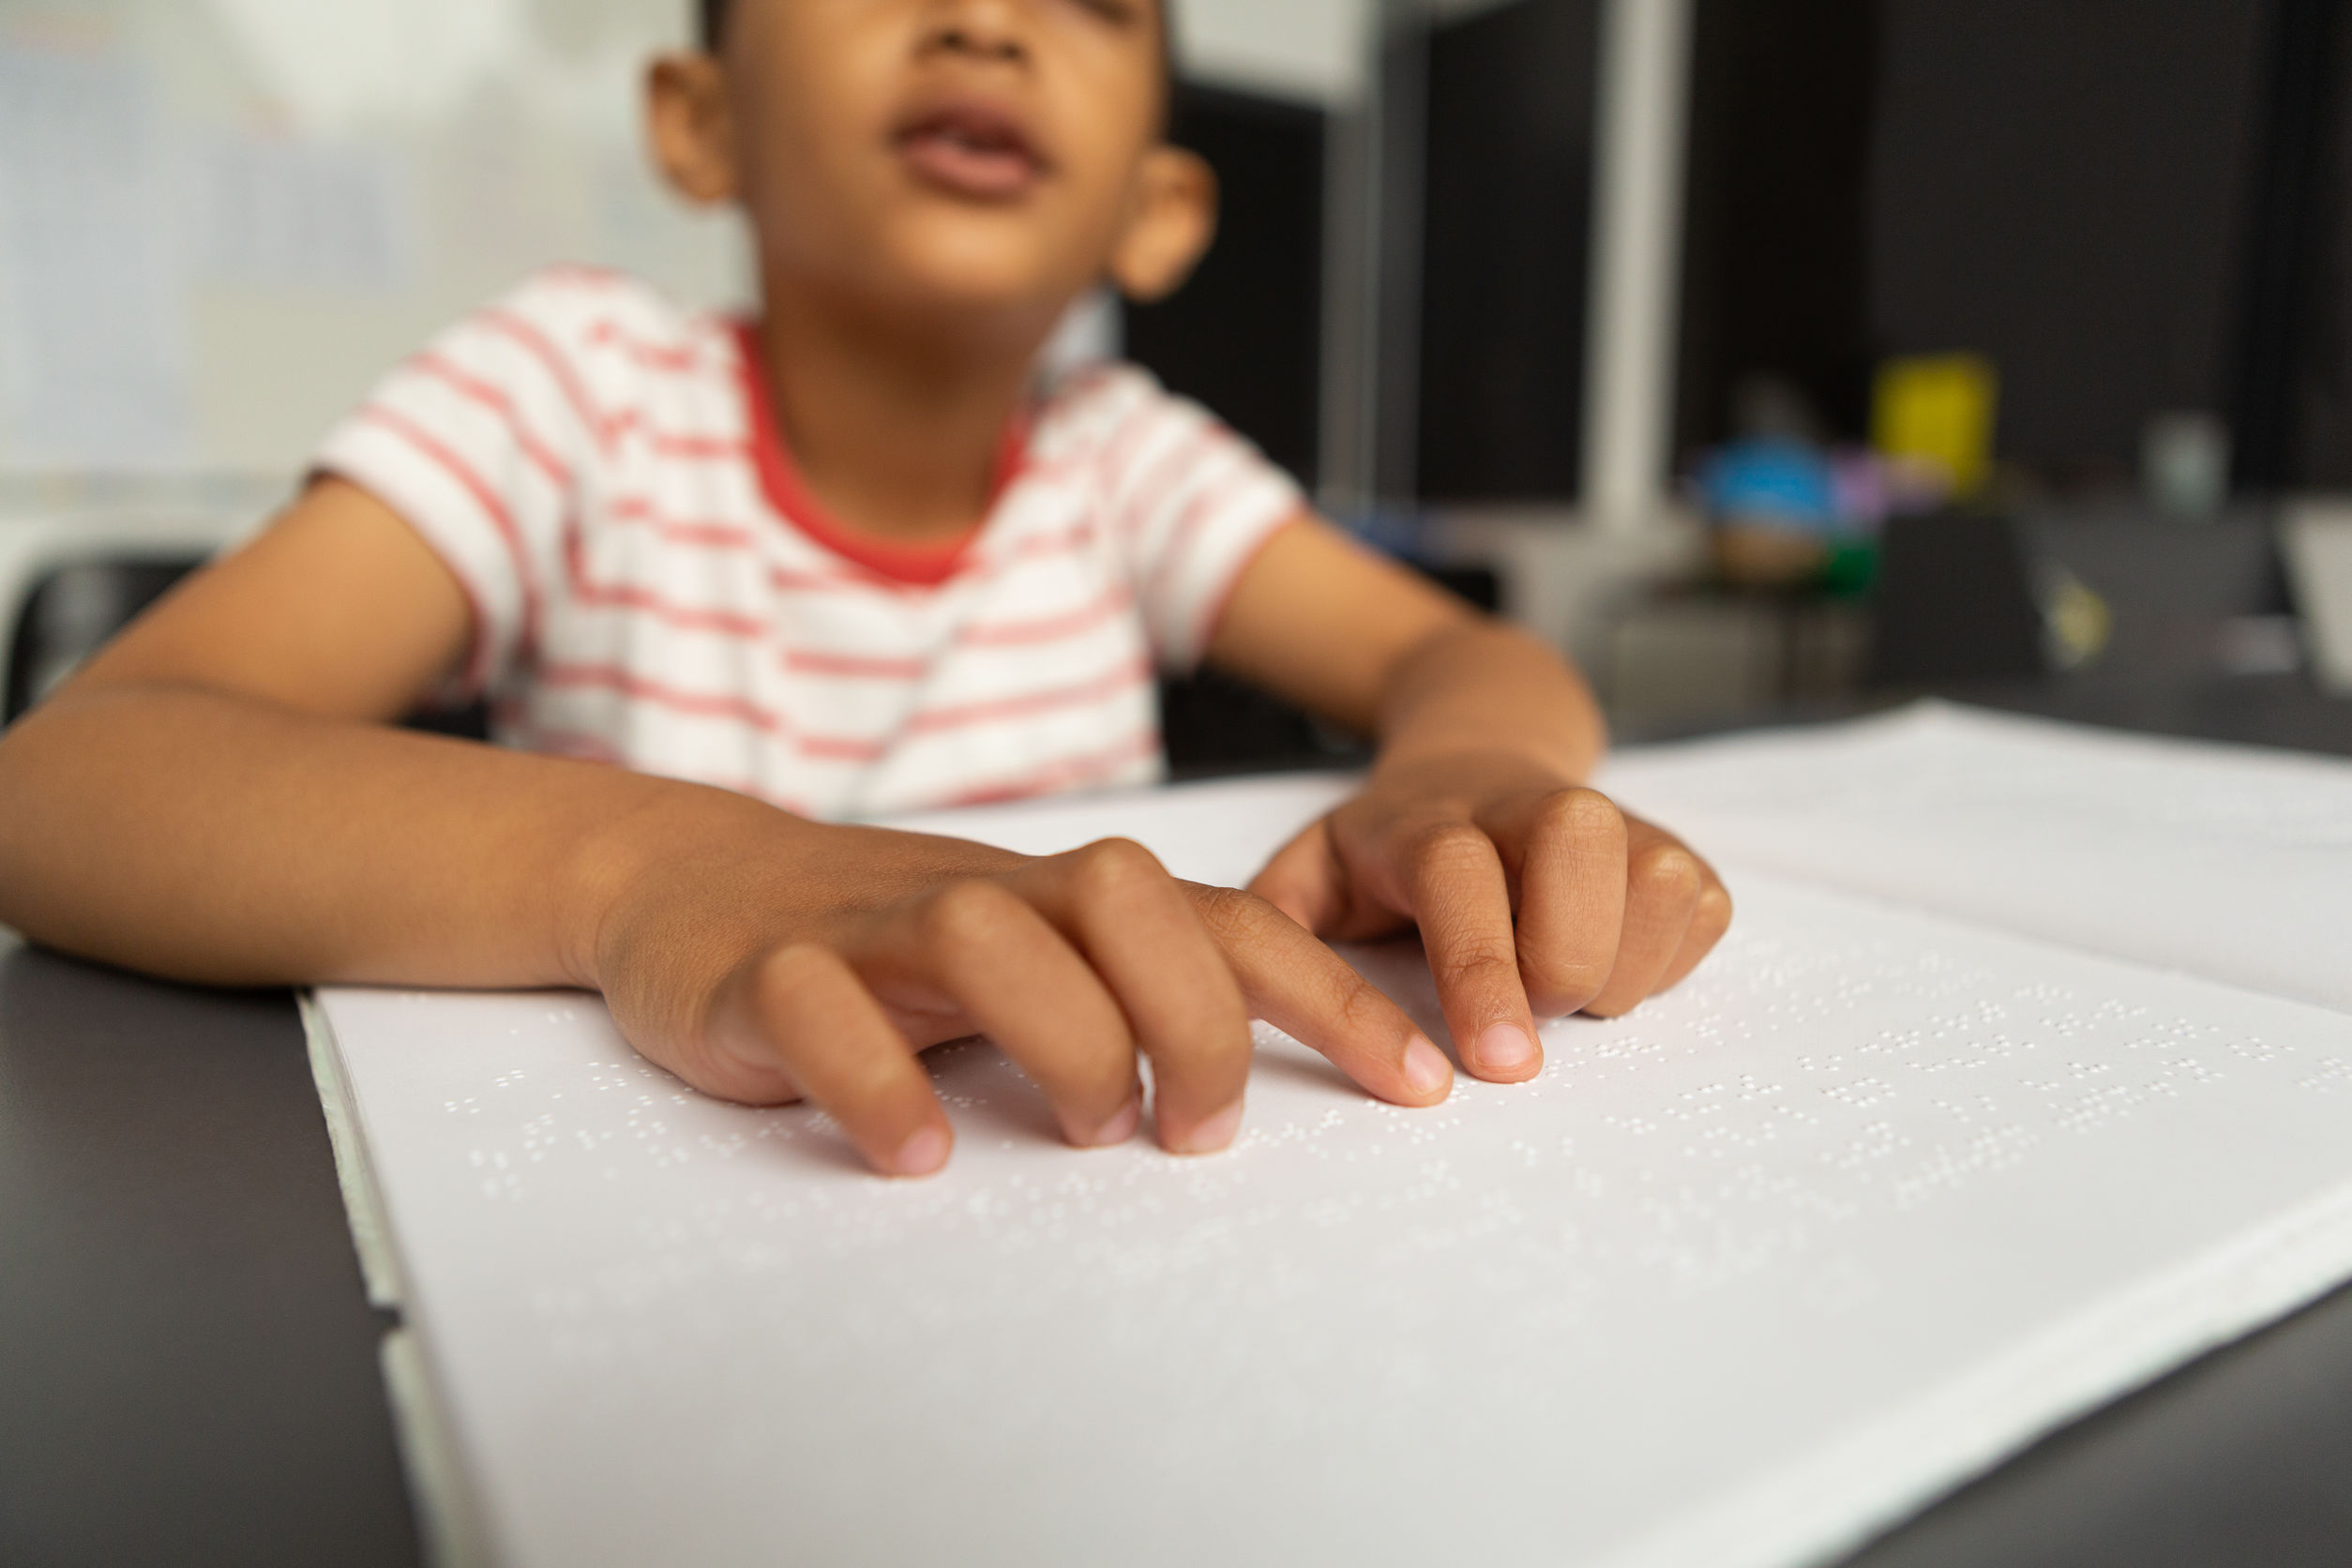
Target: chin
982, 277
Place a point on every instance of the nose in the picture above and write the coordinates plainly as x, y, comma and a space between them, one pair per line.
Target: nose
987, 31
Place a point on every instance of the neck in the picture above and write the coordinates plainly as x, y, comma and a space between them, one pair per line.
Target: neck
898, 432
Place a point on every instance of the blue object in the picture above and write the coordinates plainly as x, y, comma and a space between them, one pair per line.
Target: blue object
1784, 482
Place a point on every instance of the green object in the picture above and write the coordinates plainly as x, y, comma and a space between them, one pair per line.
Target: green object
1851, 570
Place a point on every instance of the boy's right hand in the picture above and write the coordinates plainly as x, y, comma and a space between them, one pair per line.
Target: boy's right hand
822, 969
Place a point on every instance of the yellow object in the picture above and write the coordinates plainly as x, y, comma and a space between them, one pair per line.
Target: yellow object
1938, 409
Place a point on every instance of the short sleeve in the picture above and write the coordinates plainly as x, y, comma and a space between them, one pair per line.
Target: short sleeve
478, 443
1191, 503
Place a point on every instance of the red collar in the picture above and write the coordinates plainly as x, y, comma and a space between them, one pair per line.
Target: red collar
925, 566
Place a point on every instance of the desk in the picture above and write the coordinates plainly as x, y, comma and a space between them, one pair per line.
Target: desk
188, 1363
187, 1367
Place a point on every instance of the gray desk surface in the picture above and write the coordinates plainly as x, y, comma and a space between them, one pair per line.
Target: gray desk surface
188, 1369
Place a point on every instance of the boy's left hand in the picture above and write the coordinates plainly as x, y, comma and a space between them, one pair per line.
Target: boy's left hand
1534, 895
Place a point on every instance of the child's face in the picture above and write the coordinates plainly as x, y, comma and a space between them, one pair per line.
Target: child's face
947, 159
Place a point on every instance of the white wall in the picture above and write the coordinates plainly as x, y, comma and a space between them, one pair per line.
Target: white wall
222, 220
1311, 50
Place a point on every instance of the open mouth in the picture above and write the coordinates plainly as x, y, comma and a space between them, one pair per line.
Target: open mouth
972, 150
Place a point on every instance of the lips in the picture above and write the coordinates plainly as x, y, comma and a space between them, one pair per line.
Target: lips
971, 149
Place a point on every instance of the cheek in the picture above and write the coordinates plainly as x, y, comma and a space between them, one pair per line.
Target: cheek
1100, 151
812, 140
942, 253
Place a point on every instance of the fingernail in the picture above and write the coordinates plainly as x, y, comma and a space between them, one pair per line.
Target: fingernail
1503, 1049
1119, 1128
1426, 1068
1211, 1133
920, 1154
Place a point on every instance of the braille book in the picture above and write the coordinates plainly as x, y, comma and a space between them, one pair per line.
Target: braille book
2024, 1076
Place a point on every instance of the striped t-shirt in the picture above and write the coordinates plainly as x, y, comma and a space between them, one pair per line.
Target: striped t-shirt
652, 585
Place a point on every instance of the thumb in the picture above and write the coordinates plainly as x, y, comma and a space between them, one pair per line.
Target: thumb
1306, 880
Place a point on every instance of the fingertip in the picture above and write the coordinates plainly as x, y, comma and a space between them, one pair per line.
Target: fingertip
1504, 1053
924, 1154
1428, 1075
1212, 1133
1118, 1129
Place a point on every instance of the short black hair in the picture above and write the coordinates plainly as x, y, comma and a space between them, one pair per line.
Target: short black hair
714, 17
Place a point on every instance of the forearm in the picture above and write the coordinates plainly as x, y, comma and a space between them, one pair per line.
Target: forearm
1480, 686
212, 838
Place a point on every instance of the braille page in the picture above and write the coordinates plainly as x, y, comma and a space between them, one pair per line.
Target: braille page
1868, 1203
2228, 862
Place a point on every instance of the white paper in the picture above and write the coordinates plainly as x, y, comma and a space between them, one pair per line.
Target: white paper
2228, 862
1869, 1203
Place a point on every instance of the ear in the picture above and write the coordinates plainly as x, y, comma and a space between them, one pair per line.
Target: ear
691, 126
1172, 218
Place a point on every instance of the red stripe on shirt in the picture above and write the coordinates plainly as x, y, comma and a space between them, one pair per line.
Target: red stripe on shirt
788, 580
1034, 547
1054, 471
619, 595
1062, 775
537, 345
628, 595
854, 665
794, 580
677, 359
1196, 511
1150, 492
1113, 454
489, 396
736, 624
679, 443
725, 622
487, 499
1050, 628
612, 678
1116, 682
699, 448
715, 535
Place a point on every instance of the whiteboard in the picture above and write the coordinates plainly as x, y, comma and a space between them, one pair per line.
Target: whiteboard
220, 220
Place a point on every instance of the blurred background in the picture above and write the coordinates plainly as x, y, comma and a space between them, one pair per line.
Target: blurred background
1772, 356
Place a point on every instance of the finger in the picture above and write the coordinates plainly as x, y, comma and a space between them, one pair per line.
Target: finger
1018, 980
1310, 993
1306, 880
801, 1014
1661, 886
1134, 924
1709, 921
1459, 896
1570, 852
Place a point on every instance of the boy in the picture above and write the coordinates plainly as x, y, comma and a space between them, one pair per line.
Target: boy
842, 560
